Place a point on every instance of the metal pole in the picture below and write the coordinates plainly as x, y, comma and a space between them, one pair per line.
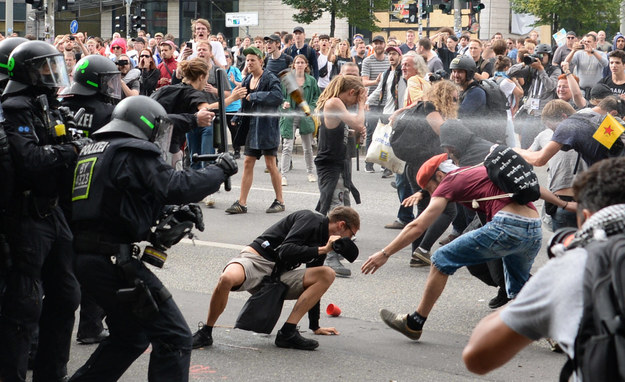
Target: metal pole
419, 18
8, 14
128, 26
457, 17
49, 15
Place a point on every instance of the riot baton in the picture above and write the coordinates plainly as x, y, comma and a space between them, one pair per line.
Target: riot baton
220, 127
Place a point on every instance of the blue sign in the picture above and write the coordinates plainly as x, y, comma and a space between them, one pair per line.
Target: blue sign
73, 26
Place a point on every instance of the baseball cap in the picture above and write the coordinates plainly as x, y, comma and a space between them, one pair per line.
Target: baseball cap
571, 33
140, 39
273, 37
158, 34
298, 29
170, 43
394, 49
378, 38
253, 50
346, 248
600, 91
428, 169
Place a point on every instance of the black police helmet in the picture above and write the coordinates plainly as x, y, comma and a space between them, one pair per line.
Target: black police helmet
6, 47
95, 74
138, 116
36, 64
465, 63
543, 49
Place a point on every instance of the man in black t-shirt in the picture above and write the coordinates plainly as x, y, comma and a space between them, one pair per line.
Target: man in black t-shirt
276, 61
616, 79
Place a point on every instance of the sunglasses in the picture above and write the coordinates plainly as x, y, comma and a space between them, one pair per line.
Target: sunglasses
116, 47
570, 38
145, 56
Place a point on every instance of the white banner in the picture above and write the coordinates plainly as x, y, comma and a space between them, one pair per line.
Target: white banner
522, 23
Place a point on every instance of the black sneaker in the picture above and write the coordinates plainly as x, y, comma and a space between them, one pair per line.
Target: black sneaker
276, 206
295, 341
90, 340
387, 173
202, 337
236, 208
369, 167
500, 300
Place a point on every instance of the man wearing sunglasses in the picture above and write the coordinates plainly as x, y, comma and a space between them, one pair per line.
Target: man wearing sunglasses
131, 84
564, 50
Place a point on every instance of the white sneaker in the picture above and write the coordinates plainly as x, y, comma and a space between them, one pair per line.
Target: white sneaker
210, 201
312, 178
284, 182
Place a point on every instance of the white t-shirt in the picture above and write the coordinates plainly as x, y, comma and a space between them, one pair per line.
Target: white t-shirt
217, 49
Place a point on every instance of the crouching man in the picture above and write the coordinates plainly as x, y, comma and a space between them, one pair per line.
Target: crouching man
303, 237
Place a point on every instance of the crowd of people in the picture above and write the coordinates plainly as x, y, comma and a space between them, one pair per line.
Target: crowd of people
137, 105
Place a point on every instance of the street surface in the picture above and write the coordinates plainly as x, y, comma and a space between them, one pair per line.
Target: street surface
366, 349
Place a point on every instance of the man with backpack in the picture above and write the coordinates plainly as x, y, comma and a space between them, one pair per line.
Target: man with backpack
300, 47
482, 103
513, 233
557, 302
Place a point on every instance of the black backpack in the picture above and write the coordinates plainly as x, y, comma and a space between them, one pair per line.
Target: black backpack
511, 173
493, 117
600, 341
412, 139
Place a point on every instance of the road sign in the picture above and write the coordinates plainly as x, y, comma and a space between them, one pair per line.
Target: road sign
241, 19
73, 26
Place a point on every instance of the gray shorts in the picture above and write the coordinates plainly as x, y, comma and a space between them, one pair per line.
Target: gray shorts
256, 267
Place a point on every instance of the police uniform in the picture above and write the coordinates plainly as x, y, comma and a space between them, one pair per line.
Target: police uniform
121, 184
97, 113
39, 235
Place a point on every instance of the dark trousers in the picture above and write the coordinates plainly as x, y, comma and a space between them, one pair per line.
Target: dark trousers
129, 336
91, 316
371, 121
404, 190
43, 257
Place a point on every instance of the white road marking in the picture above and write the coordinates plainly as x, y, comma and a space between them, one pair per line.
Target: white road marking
215, 244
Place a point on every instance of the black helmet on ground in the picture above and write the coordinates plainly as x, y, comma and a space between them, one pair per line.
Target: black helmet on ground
140, 117
95, 74
36, 64
465, 63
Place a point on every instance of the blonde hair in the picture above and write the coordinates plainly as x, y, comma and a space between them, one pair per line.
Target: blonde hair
348, 52
204, 22
193, 69
338, 85
441, 94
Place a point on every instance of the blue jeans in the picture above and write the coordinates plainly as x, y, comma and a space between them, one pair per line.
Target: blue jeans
200, 141
404, 214
563, 218
513, 238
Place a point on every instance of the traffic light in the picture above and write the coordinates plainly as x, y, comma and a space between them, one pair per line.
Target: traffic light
477, 7
139, 21
37, 4
61, 5
412, 13
120, 23
446, 6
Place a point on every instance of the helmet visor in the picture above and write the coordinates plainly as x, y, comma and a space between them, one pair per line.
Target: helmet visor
163, 129
51, 72
111, 85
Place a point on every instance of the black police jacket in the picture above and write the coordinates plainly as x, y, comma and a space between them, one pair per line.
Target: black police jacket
122, 183
97, 113
42, 163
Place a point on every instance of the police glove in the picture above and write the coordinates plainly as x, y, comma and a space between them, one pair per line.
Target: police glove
80, 143
226, 162
191, 212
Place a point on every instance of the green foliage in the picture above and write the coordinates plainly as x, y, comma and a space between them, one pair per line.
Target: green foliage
359, 13
580, 16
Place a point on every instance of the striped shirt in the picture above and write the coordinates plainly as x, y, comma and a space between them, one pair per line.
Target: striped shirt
372, 67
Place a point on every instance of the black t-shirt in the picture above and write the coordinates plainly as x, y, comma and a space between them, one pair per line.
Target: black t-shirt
616, 89
279, 64
359, 61
485, 66
332, 145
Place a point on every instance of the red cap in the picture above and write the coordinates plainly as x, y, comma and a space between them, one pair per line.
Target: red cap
428, 169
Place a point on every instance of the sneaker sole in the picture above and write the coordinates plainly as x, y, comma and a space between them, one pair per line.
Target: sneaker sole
389, 318
286, 345
417, 264
418, 256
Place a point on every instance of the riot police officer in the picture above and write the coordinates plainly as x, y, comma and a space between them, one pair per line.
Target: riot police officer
120, 186
39, 237
96, 87
6, 47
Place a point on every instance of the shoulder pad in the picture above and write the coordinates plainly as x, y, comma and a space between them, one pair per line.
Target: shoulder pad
137, 144
17, 102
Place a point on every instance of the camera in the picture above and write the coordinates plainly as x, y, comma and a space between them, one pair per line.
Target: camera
72, 38
122, 62
531, 58
437, 76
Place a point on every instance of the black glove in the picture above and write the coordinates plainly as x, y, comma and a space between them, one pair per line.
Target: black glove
80, 143
191, 212
226, 162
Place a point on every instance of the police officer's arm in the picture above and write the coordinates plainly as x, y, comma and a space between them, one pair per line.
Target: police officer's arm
541, 157
492, 344
171, 186
410, 233
26, 152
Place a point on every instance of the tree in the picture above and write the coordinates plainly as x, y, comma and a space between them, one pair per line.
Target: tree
358, 13
579, 16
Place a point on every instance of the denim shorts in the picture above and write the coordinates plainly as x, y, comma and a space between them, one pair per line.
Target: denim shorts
514, 238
